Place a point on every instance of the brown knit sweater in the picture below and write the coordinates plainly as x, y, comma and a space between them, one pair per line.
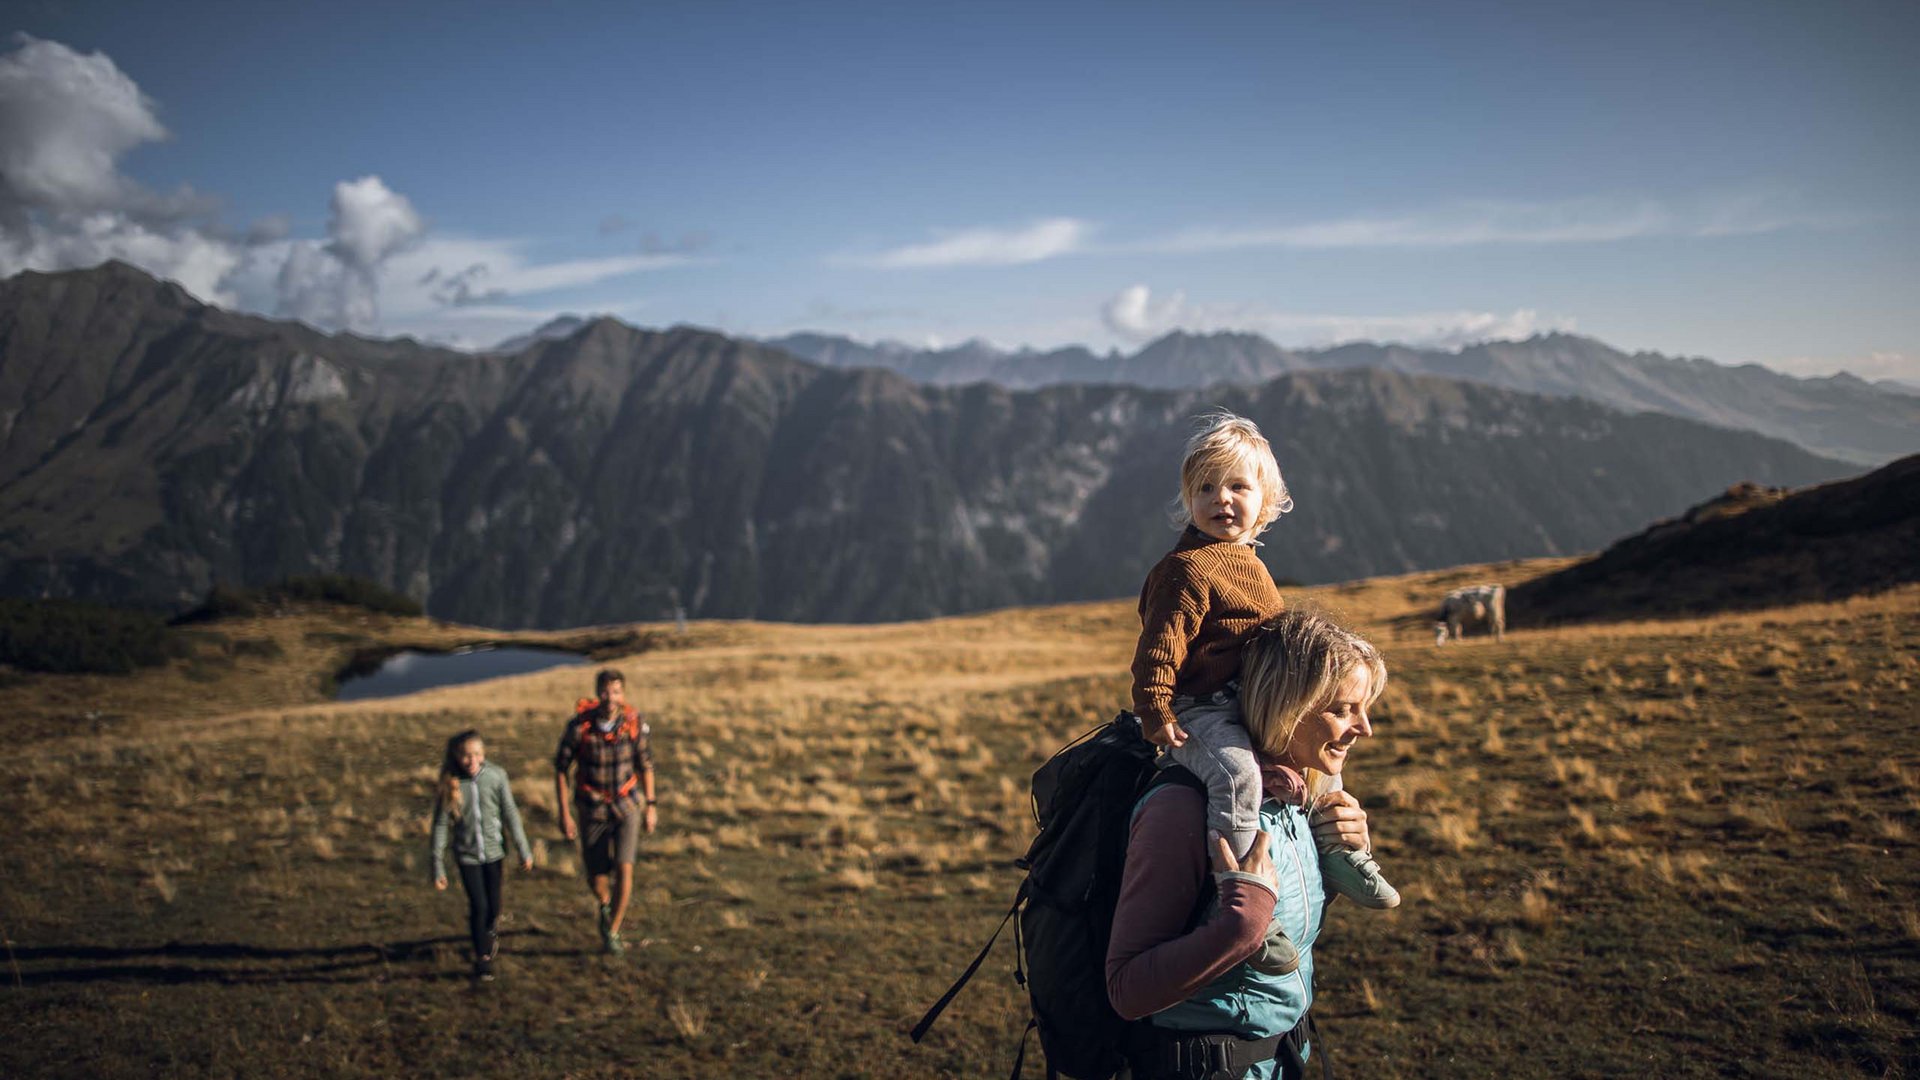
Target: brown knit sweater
1197, 608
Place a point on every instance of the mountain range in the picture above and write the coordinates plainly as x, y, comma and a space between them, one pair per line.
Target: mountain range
1838, 416
151, 445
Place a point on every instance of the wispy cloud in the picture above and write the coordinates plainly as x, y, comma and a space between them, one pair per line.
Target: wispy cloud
1571, 221
1901, 366
1135, 315
1049, 238
1593, 220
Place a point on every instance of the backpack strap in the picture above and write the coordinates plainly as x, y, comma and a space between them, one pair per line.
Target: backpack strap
1177, 774
920, 1029
1163, 1052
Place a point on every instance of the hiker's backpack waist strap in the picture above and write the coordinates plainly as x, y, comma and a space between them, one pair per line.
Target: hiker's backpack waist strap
1158, 1053
600, 795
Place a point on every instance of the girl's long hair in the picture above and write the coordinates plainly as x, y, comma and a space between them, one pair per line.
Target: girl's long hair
447, 789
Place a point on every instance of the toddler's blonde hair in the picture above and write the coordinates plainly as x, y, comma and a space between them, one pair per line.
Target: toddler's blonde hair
1221, 442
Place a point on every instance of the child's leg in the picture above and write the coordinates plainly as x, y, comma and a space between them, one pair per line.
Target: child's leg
473, 880
1354, 874
1219, 751
491, 873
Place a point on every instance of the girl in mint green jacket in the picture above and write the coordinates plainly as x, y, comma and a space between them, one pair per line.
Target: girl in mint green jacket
473, 807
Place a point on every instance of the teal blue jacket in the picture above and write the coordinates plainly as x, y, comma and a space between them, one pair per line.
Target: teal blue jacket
487, 814
1244, 1001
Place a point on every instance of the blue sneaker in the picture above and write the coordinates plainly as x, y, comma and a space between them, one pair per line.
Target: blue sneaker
1354, 875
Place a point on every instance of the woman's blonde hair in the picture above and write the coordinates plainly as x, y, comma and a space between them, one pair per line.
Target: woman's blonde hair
1290, 668
447, 788
1221, 442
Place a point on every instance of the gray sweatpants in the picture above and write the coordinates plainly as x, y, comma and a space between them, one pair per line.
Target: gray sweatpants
1219, 751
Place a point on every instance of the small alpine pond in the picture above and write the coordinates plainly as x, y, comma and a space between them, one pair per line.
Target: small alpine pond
411, 670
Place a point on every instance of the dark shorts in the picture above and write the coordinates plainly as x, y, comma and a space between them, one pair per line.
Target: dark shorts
608, 842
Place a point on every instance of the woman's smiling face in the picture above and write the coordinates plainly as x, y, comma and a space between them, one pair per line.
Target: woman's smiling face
1324, 736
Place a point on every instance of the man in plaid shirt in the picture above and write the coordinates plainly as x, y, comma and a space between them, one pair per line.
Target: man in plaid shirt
608, 747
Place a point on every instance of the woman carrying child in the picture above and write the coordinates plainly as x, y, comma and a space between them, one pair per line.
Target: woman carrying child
1197, 970
1197, 608
473, 806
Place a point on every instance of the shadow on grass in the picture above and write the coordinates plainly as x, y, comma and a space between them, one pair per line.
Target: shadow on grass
396, 961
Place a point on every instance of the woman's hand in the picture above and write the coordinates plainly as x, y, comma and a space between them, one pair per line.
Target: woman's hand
440, 883
527, 863
1259, 862
651, 818
1338, 822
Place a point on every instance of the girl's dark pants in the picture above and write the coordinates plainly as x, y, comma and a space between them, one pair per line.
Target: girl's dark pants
482, 883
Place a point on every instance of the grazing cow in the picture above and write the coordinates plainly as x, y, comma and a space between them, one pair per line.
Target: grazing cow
1474, 607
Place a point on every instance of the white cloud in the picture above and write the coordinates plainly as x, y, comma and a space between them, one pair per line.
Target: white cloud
371, 222
442, 287
1135, 316
1046, 239
66, 119
1572, 221
337, 284
189, 256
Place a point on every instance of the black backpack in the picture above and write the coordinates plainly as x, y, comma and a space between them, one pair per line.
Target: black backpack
1083, 800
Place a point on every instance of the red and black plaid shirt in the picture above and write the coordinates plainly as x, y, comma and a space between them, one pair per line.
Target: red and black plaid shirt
605, 762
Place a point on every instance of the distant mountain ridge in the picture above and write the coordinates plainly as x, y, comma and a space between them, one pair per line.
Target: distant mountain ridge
151, 446
1839, 416
564, 326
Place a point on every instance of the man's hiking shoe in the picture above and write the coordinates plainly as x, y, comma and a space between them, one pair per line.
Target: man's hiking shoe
606, 922
614, 945
1354, 875
1277, 956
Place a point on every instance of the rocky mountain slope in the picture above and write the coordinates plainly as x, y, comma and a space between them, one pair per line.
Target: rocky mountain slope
151, 446
1750, 547
1839, 416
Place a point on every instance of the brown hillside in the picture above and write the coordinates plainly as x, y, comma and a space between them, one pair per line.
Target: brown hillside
1749, 548
1673, 848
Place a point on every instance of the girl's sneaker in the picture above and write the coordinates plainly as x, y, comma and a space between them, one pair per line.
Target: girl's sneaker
1354, 875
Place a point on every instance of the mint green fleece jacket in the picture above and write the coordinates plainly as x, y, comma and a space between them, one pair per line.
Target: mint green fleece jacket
487, 814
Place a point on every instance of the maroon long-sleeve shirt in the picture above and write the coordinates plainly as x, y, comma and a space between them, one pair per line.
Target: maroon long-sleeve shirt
1152, 962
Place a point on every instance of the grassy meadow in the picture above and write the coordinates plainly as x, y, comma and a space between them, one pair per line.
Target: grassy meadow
1686, 848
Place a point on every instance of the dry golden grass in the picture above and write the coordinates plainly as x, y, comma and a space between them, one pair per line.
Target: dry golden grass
1624, 829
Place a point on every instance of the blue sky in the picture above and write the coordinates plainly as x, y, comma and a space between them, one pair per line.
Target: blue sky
1730, 180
